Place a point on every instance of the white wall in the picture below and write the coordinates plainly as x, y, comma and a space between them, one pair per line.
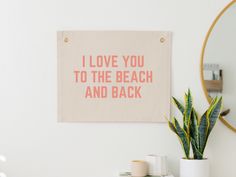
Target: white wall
36, 145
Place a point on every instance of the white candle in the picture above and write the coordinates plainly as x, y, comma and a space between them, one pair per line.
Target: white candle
138, 168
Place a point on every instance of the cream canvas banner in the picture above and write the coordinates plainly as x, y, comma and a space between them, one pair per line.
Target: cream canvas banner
113, 76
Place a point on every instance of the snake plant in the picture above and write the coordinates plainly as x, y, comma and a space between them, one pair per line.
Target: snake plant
195, 130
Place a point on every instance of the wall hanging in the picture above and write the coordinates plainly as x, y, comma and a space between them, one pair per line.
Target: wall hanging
107, 76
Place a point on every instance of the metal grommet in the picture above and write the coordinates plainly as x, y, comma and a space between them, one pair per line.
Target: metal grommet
162, 39
66, 39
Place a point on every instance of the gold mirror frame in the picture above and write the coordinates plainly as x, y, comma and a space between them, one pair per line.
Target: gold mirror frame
202, 59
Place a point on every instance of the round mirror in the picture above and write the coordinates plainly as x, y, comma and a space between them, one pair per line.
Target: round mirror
218, 63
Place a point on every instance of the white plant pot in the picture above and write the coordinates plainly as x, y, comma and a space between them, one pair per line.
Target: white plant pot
194, 168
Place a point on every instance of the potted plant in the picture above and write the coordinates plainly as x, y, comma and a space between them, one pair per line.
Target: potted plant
194, 133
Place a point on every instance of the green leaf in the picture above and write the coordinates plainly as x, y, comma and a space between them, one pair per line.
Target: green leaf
178, 105
203, 131
172, 127
196, 153
187, 111
214, 112
194, 127
184, 138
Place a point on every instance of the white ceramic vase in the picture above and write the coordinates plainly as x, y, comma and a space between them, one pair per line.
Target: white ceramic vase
194, 168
